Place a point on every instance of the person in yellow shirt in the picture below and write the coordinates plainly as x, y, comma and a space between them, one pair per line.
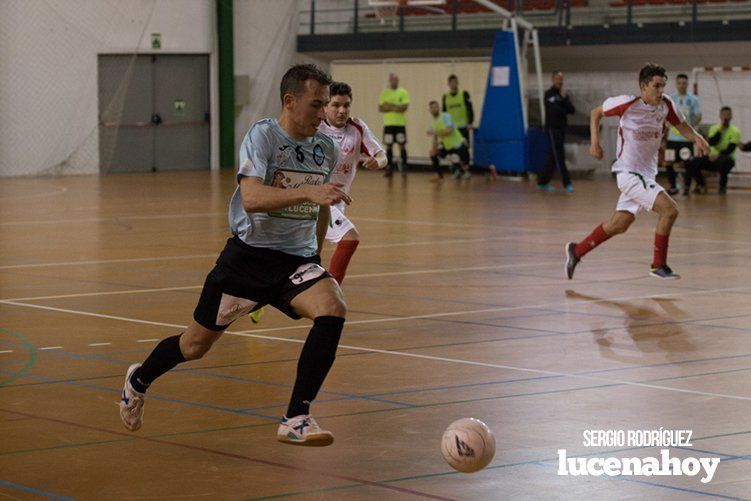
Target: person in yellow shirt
393, 103
458, 104
447, 142
725, 139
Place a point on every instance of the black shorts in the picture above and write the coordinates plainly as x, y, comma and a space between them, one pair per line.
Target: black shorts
466, 134
247, 278
394, 134
682, 151
462, 152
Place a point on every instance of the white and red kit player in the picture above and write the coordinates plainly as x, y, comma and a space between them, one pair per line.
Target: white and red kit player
642, 124
354, 139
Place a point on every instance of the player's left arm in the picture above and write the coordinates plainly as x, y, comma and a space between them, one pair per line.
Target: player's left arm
470, 110
676, 120
377, 161
690, 133
322, 226
369, 144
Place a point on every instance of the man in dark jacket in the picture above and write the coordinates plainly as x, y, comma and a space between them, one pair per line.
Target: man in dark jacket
557, 106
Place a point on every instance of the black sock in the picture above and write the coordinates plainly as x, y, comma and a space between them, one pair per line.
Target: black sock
436, 166
390, 157
165, 356
316, 359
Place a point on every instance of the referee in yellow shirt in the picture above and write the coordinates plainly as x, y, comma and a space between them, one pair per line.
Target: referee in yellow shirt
393, 103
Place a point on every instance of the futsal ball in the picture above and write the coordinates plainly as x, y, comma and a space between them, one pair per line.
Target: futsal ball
468, 445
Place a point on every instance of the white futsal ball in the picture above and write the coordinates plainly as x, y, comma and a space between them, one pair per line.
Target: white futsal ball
468, 445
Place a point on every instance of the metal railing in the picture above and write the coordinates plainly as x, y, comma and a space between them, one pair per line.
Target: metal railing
329, 17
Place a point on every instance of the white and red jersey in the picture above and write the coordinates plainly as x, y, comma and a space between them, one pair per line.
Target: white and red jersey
353, 139
640, 131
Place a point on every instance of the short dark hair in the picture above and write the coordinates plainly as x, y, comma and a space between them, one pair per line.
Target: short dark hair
340, 89
681, 75
556, 72
293, 82
726, 108
453, 77
651, 70
432, 102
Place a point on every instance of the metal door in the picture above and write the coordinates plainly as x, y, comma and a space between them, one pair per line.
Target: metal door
153, 113
126, 138
181, 100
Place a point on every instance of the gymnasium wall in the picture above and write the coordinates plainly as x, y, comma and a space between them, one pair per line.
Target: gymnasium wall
265, 47
48, 71
48, 68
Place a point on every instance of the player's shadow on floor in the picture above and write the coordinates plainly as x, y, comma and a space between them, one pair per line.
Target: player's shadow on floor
651, 325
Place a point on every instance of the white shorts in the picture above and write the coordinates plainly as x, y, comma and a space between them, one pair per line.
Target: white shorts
339, 225
637, 192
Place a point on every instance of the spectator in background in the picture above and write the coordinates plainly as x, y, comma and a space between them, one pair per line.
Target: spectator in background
681, 148
557, 106
458, 104
447, 142
393, 103
724, 139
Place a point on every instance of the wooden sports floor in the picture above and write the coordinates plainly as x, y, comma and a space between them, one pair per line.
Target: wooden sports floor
458, 307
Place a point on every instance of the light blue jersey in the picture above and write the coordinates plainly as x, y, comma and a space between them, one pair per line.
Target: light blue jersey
271, 154
688, 106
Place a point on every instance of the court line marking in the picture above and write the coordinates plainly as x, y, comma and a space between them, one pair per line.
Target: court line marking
254, 334
6, 351
112, 219
446, 224
50, 348
215, 254
608, 264
361, 275
100, 344
33, 490
104, 261
366, 246
147, 340
231, 455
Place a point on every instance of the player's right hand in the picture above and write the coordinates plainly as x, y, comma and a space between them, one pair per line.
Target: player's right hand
328, 194
596, 150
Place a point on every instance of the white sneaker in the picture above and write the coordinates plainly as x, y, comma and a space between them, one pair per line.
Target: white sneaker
131, 403
303, 430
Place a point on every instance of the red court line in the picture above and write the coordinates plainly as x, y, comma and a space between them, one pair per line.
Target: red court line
234, 456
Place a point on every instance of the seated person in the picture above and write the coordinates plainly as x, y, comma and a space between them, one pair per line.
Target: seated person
452, 144
724, 139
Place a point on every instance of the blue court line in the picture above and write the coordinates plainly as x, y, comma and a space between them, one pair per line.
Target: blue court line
223, 376
151, 395
683, 489
420, 390
727, 457
32, 490
536, 378
282, 385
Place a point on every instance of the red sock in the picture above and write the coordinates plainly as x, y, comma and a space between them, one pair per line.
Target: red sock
594, 239
341, 257
661, 250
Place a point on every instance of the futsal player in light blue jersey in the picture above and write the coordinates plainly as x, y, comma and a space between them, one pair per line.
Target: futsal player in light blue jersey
679, 149
279, 216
